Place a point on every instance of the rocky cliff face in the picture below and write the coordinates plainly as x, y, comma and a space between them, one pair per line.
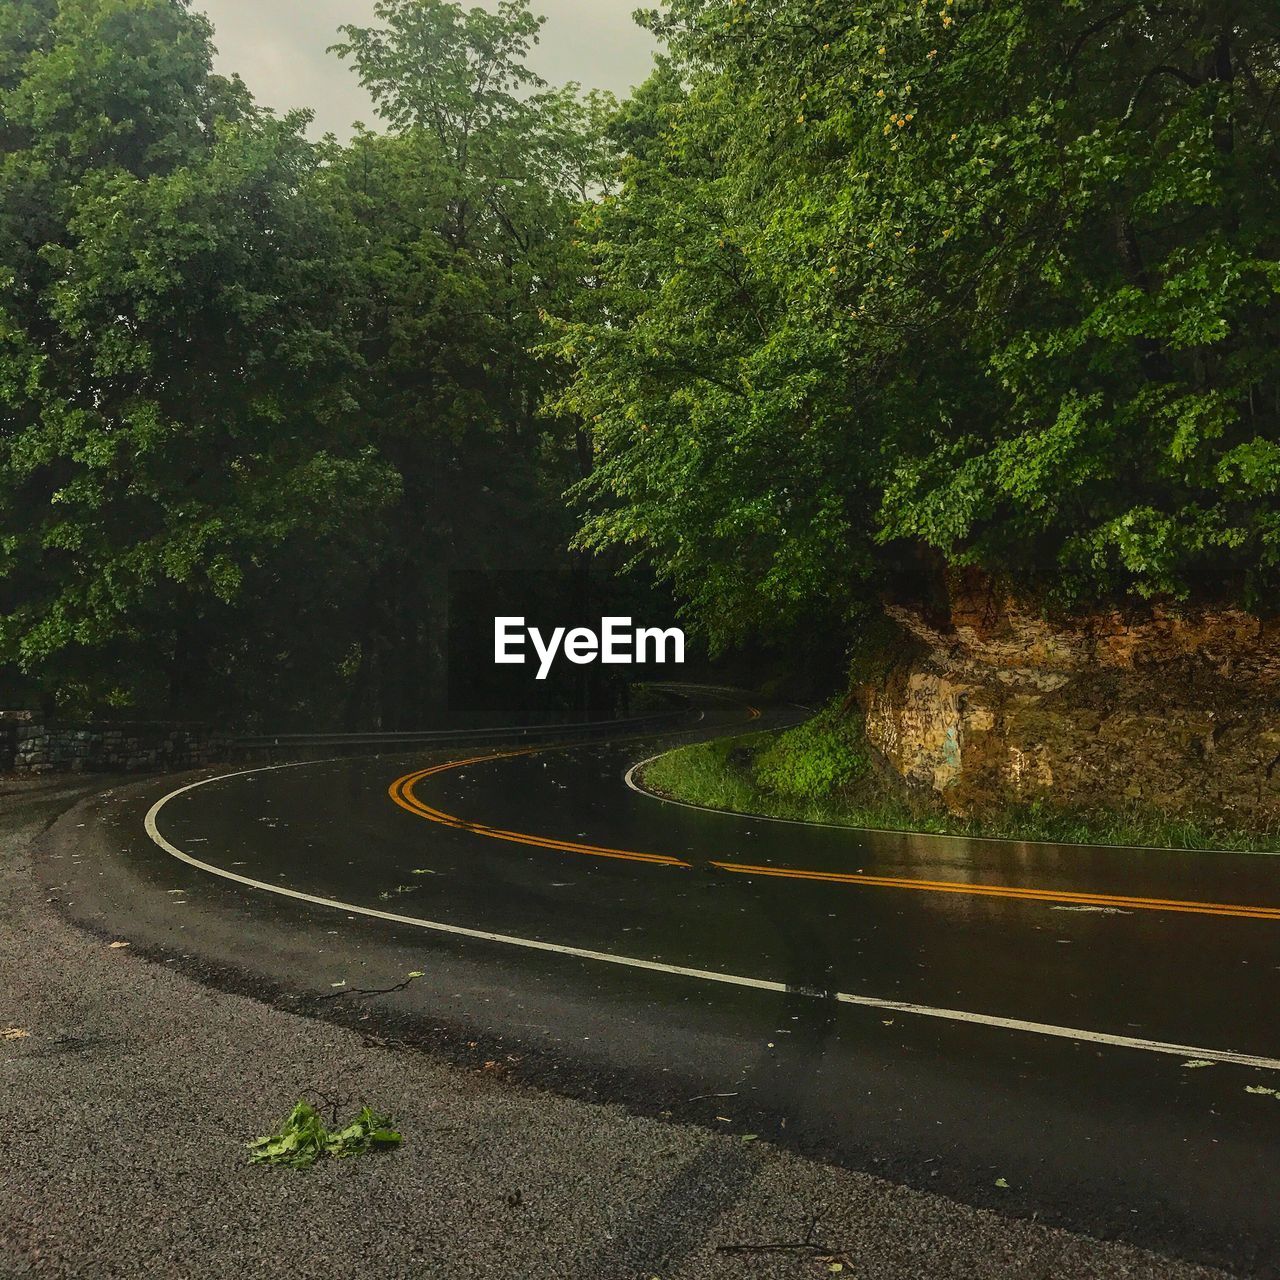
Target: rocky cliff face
1177, 712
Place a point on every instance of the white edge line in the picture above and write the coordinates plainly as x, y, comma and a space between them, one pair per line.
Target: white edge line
675, 970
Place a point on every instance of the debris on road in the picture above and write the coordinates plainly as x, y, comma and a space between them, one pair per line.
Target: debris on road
303, 1138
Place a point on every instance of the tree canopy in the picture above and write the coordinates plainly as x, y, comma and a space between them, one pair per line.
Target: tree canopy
459, 224
896, 284
174, 352
848, 293
261, 395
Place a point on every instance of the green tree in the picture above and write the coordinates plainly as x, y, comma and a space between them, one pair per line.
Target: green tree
717, 405
460, 225
178, 449
904, 283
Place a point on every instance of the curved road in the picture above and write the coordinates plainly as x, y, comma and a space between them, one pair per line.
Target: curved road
1086, 1034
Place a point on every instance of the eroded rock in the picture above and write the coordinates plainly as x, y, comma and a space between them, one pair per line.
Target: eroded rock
1173, 711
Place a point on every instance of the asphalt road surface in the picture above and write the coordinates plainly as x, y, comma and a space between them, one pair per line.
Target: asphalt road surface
1088, 1037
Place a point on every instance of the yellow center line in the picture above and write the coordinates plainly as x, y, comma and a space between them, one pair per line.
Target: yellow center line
402, 792
1065, 896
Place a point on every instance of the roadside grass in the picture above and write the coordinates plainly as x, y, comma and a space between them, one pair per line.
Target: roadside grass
801, 775
302, 1138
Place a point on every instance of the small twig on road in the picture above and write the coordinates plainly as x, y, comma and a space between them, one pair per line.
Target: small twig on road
776, 1246
702, 1097
333, 1101
808, 1244
366, 991
370, 1041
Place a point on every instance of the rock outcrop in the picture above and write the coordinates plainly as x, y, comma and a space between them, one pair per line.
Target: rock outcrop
1174, 711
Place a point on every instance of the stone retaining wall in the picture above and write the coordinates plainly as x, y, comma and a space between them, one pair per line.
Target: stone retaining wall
30, 745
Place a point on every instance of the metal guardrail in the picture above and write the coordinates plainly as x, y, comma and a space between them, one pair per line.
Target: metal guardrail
283, 742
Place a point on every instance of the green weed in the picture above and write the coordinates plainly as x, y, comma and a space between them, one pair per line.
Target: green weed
813, 759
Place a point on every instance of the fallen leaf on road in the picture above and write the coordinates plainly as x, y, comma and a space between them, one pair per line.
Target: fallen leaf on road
1262, 1088
750, 1137
115, 946
1000, 1182
343, 983
1198, 1062
1103, 911
417, 973
15, 1033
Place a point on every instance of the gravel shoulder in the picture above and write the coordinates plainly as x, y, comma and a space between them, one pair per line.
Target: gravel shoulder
127, 1100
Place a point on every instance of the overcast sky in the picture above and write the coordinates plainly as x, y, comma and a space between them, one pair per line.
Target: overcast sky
278, 47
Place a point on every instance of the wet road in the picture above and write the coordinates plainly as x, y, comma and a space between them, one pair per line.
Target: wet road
1008, 1013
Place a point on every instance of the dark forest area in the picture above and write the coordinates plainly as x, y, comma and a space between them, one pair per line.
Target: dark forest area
845, 299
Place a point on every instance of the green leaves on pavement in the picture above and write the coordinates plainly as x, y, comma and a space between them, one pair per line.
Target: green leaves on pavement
303, 1138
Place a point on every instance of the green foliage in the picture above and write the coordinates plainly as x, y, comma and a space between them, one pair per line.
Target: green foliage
459, 225
260, 397
814, 759
703, 389
175, 355
997, 283
796, 767
303, 1138
847, 291
724, 775
702, 774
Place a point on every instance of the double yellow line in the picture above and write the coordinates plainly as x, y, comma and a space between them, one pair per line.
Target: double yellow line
1063, 896
402, 792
